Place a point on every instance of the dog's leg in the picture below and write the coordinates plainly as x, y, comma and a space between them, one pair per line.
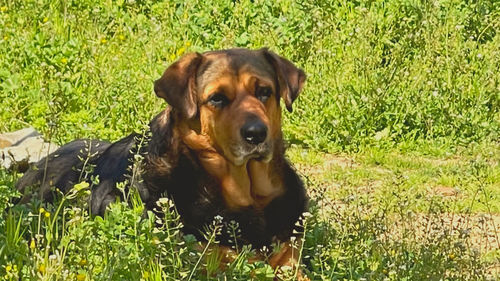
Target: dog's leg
225, 254
289, 255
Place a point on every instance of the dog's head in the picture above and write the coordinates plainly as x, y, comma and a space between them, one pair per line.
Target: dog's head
233, 97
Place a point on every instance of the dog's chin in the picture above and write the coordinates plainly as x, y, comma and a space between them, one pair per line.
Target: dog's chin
242, 160
265, 157
241, 156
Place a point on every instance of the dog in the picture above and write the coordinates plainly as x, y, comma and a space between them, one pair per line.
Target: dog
216, 150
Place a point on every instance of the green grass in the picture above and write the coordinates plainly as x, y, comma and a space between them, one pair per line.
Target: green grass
402, 100
472, 173
379, 72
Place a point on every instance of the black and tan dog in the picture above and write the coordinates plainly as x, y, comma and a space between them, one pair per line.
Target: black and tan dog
217, 149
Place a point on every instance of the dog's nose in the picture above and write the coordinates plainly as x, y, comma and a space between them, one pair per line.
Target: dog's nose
254, 132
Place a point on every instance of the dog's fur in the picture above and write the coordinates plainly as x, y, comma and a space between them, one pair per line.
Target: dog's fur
197, 153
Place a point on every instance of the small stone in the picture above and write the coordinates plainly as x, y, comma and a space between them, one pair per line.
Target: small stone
445, 191
26, 147
17, 137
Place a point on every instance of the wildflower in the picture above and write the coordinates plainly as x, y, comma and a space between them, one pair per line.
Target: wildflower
145, 275
155, 240
41, 210
64, 60
42, 269
172, 57
3, 9
121, 37
104, 41
32, 244
47, 215
80, 277
188, 44
5, 38
82, 262
45, 19
181, 51
8, 268
162, 201
451, 256
165, 202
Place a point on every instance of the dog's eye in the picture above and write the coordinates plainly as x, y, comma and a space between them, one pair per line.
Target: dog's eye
218, 100
263, 93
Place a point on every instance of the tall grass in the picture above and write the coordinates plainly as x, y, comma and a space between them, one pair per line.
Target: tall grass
358, 237
384, 74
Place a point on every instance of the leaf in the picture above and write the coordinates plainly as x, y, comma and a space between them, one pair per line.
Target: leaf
242, 40
12, 83
4, 73
382, 134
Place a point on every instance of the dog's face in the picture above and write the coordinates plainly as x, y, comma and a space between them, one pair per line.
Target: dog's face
233, 97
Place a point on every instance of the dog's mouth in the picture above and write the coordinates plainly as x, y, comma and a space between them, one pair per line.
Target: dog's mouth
241, 153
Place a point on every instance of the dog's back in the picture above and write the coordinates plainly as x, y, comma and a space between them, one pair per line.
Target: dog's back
62, 169
81, 160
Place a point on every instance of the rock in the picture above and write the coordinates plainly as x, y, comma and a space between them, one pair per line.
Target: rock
15, 138
25, 146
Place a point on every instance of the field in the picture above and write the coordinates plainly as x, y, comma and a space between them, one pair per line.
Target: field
396, 133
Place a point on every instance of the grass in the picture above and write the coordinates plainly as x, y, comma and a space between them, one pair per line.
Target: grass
396, 132
417, 175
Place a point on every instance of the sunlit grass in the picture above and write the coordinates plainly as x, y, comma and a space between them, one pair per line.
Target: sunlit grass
396, 133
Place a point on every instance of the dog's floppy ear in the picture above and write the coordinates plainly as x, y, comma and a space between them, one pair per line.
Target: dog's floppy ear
290, 78
177, 84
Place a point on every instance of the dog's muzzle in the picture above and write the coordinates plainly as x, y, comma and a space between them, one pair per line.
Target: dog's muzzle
254, 143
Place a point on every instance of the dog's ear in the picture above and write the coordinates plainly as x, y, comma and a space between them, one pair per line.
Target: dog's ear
290, 78
177, 84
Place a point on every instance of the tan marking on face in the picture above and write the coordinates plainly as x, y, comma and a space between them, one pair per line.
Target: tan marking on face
223, 125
